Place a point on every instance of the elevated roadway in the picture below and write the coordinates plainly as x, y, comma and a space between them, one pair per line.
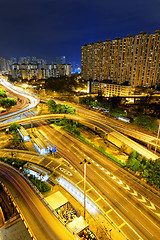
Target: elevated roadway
134, 203
95, 123
125, 128
33, 101
42, 222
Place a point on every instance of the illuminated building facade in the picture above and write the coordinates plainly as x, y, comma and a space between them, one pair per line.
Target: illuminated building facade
135, 60
4, 64
35, 71
109, 90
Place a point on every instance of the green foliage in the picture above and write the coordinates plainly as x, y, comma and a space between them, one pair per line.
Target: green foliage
117, 112
13, 161
8, 102
41, 186
89, 101
110, 156
16, 138
148, 169
133, 154
112, 104
3, 93
14, 126
67, 124
146, 121
59, 108
51, 103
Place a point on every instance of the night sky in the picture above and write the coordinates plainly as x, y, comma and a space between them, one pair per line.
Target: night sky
50, 28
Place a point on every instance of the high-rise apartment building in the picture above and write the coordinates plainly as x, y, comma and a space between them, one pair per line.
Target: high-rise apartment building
31, 60
135, 60
36, 71
4, 64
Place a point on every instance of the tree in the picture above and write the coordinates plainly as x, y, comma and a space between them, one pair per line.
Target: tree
51, 103
70, 110
133, 154
8, 102
3, 93
146, 121
16, 139
14, 126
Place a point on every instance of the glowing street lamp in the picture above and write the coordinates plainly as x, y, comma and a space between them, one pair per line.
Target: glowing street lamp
85, 165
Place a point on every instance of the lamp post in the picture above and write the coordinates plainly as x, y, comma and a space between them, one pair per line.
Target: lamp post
85, 170
31, 122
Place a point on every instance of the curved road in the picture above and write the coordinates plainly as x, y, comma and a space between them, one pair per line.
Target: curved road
94, 122
41, 221
33, 100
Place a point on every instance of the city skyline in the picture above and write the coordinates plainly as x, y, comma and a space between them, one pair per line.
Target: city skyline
47, 29
131, 60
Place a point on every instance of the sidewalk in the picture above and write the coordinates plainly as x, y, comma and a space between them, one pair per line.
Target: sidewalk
97, 222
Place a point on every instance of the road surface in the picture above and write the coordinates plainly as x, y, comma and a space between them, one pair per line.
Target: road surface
43, 223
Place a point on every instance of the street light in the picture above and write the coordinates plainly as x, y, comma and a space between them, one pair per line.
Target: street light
85, 165
31, 122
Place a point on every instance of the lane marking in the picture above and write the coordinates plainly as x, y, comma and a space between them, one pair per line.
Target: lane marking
109, 211
122, 225
134, 193
58, 166
89, 189
66, 171
142, 200
113, 177
41, 160
98, 199
127, 187
158, 214
32, 157
120, 182
79, 182
152, 206
49, 163
144, 227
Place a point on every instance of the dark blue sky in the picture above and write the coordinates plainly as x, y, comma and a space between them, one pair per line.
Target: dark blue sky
50, 28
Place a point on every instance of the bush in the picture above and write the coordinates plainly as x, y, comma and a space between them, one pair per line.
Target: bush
14, 126
3, 93
40, 185
150, 170
13, 161
59, 108
146, 121
8, 102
